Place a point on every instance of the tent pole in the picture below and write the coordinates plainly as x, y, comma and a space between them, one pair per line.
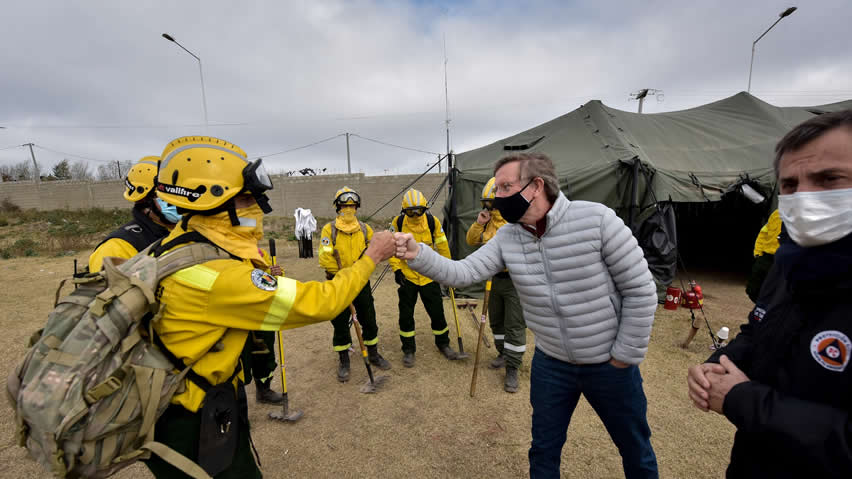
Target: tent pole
634, 191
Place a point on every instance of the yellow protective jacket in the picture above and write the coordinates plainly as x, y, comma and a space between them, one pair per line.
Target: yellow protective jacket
112, 247
421, 233
767, 239
220, 301
478, 234
349, 245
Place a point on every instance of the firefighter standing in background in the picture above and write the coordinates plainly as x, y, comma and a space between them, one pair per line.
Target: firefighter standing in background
209, 309
504, 307
350, 238
152, 217
416, 219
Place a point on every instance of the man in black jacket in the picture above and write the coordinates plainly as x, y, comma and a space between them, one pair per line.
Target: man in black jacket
786, 381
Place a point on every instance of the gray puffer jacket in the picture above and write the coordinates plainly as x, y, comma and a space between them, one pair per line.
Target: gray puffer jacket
584, 285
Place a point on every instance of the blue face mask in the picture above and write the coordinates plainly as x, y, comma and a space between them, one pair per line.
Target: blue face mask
168, 211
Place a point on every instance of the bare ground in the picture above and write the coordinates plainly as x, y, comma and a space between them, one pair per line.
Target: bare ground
423, 423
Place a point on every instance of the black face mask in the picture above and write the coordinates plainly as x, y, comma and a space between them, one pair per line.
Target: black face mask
513, 207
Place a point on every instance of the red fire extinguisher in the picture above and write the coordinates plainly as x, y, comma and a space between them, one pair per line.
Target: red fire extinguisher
694, 298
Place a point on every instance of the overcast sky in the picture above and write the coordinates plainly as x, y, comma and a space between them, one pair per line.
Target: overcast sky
96, 79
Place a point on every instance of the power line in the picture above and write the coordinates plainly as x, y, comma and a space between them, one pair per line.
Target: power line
300, 147
10, 147
70, 154
395, 146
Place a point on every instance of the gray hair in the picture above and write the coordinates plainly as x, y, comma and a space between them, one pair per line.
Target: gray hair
535, 165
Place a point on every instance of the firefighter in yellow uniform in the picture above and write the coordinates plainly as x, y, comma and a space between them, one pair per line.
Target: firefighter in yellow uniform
209, 309
152, 217
504, 306
764, 254
350, 238
416, 219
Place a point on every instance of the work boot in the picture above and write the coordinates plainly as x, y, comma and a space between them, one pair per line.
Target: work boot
376, 359
265, 394
408, 360
448, 352
498, 363
511, 383
343, 367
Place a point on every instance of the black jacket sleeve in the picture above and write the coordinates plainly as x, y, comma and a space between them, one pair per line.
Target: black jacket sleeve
817, 431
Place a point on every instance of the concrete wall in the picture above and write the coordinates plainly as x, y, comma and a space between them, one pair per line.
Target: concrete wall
289, 193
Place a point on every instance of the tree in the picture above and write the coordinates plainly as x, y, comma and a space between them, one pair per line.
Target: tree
110, 171
62, 170
80, 171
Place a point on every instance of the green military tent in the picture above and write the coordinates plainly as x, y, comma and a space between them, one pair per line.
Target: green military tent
680, 174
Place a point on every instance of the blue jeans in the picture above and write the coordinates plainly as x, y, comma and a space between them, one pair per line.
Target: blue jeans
616, 396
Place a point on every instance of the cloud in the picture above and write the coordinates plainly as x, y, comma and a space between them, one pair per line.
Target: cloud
96, 79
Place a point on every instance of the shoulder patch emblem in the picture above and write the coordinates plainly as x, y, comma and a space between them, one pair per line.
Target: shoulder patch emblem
325, 241
831, 350
263, 280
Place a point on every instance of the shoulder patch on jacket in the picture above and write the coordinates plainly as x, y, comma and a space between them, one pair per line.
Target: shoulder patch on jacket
263, 280
831, 350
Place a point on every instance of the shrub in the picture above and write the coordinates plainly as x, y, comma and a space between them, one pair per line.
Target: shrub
8, 206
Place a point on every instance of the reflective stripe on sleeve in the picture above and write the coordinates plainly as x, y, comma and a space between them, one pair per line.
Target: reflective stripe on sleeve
517, 349
198, 276
282, 302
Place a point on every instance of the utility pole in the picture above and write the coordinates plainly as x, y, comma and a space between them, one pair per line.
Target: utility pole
36, 174
348, 162
641, 94
118, 167
446, 107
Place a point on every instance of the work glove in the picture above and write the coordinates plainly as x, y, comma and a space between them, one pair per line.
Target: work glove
329, 275
399, 277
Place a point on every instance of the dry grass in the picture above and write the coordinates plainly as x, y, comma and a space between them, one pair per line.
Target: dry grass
424, 423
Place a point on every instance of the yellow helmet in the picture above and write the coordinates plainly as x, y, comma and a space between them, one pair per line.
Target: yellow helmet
413, 199
346, 196
140, 179
488, 192
201, 173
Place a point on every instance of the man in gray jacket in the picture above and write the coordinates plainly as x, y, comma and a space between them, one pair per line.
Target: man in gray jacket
586, 293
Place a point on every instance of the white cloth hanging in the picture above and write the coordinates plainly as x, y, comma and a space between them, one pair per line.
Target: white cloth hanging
306, 224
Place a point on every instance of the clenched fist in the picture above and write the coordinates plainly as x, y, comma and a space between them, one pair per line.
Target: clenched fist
382, 246
406, 247
484, 217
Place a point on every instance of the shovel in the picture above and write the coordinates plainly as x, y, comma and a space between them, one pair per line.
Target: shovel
481, 329
462, 354
285, 415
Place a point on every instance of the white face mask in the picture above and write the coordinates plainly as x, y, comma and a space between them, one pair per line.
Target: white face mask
814, 218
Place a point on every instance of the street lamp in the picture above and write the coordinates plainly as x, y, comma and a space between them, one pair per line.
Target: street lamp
200, 73
781, 16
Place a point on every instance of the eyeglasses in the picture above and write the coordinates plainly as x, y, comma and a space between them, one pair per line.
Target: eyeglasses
413, 212
506, 188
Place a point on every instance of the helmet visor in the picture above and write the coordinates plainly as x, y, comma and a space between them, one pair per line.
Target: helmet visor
255, 178
415, 211
349, 196
488, 204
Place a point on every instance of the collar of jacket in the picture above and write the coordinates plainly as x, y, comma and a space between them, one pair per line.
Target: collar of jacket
557, 209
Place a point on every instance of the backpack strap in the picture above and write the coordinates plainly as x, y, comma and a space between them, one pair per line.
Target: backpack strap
399, 223
364, 232
196, 378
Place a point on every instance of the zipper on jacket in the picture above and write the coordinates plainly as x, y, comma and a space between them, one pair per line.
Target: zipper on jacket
553, 301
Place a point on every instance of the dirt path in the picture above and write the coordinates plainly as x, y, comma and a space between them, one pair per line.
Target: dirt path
423, 424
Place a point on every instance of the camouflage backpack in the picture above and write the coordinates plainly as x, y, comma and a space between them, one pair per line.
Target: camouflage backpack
89, 391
